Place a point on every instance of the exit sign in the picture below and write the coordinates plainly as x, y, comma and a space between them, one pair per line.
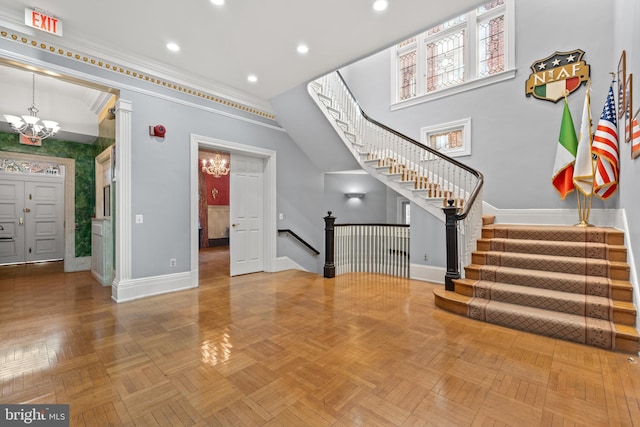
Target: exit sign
40, 20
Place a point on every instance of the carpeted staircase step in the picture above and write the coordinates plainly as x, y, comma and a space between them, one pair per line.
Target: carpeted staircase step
565, 302
590, 331
585, 285
561, 264
616, 253
606, 235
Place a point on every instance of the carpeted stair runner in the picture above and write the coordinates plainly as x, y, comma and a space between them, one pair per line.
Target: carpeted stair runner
569, 283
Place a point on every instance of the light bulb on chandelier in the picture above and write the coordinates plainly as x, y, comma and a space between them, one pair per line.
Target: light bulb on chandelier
30, 127
216, 167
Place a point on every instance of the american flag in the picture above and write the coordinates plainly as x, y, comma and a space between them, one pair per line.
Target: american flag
605, 146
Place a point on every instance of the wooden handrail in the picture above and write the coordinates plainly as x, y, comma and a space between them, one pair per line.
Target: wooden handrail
300, 239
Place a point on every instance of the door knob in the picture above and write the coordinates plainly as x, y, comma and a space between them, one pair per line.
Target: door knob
233, 225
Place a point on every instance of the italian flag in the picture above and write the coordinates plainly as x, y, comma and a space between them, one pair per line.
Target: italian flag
556, 90
565, 154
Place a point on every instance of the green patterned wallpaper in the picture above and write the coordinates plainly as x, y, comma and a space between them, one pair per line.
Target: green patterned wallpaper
84, 155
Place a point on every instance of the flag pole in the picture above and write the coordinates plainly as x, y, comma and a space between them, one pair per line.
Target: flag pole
585, 200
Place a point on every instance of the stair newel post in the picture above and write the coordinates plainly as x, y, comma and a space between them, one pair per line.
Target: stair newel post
451, 236
329, 263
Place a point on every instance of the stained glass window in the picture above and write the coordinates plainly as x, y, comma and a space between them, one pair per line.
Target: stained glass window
491, 46
467, 48
445, 62
407, 72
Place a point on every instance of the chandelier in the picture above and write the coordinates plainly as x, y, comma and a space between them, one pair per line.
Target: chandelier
30, 127
216, 167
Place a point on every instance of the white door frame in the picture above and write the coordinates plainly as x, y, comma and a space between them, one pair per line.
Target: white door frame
269, 192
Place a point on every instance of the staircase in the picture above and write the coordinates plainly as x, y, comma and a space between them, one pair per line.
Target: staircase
565, 282
570, 283
421, 174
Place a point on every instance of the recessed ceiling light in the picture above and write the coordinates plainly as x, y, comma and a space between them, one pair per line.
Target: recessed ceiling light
217, 2
380, 5
173, 47
252, 78
302, 48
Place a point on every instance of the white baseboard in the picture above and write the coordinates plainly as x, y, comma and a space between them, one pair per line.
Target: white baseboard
285, 263
427, 273
132, 289
599, 217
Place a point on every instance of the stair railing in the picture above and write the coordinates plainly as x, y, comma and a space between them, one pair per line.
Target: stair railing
433, 174
371, 248
299, 240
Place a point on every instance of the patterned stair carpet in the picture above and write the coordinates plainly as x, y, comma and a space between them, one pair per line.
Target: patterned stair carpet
549, 280
581, 329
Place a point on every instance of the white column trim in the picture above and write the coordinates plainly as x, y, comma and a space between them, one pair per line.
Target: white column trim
122, 181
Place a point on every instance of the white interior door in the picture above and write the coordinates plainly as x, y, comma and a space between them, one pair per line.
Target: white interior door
31, 219
11, 222
246, 215
44, 213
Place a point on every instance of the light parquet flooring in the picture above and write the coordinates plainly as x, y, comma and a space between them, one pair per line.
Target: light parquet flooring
291, 349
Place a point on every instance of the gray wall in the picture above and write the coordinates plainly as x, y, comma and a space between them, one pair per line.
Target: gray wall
512, 135
370, 209
160, 182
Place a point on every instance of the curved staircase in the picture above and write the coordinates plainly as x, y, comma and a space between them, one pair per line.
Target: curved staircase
565, 282
420, 173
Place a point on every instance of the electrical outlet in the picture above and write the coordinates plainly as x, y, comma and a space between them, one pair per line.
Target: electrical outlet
172, 262
426, 258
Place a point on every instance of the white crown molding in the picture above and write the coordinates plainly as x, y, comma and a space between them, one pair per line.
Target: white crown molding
152, 70
97, 100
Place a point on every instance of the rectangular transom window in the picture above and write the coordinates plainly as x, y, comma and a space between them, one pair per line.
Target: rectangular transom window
452, 139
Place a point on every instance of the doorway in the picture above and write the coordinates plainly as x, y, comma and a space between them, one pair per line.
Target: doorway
213, 202
268, 192
31, 217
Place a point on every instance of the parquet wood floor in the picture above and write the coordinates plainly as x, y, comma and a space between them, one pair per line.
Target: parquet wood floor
291, 349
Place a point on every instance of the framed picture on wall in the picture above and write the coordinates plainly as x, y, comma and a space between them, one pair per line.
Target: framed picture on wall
628, 111
622, 80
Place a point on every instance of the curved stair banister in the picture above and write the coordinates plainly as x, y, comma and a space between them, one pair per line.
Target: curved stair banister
425, 176
476, 190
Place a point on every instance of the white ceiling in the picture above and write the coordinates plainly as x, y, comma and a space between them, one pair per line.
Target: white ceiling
75, 107
221, 45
